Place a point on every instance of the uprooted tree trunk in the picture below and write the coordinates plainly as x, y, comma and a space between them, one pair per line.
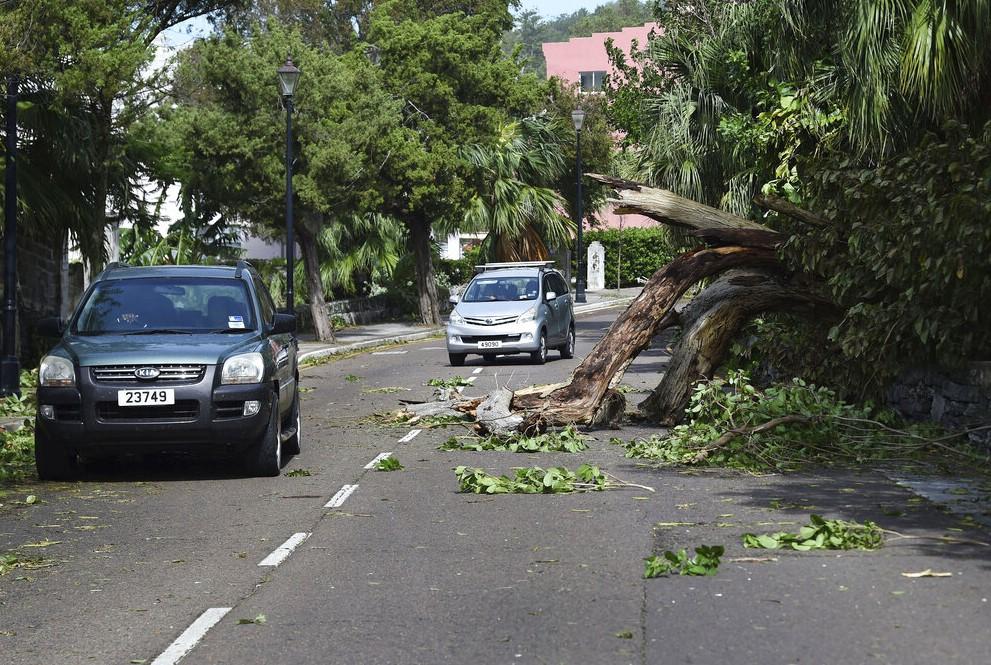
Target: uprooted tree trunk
708, 326
578, 401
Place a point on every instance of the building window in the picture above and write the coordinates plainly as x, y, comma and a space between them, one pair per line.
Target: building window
592, 81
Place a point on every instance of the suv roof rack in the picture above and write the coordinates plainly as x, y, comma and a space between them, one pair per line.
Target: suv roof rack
513, 264
241, 266
114, 265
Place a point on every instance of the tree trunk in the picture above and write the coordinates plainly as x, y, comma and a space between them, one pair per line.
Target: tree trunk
426, 284
631, 333
314, 286
710, 323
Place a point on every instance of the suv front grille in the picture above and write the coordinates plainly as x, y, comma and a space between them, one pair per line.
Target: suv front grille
491, 320
185, 409
168, 374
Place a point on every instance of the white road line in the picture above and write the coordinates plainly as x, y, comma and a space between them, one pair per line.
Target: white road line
388, 353
191, 636
478, 370
433, 348
341, 496
410, 436
283, 551
378, 458
471, 379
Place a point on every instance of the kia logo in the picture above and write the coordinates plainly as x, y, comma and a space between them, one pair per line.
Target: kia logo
147, 373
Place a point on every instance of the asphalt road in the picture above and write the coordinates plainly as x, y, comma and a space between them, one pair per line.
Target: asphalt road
147, 558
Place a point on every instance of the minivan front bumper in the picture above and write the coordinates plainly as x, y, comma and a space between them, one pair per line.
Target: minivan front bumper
503, 339
206, 417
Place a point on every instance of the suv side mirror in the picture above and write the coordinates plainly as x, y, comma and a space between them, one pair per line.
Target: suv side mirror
284, 323
454, 300
550, 295
51, 326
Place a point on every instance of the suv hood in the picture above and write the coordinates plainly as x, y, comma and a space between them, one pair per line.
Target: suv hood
495, 308
155, 349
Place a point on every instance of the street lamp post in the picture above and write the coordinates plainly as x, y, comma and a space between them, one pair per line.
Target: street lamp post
578, 118
288, 78
10, 381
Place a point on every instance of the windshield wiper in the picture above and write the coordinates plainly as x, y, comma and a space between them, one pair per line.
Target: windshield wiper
158, 331
219, 331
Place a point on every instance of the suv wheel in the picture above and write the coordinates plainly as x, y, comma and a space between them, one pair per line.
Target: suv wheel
291, 445
52, 461
265, 457
457, 359
540, 355
568, 348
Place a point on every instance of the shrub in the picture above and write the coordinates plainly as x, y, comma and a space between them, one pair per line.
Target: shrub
633, 254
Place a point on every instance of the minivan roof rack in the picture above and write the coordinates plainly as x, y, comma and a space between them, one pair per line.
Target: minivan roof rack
513, 264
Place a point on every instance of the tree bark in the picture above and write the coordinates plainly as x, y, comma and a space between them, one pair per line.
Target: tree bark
671, 209
314, 285
426, 284
710, 323
631, 333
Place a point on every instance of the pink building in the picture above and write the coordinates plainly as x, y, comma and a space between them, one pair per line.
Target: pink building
583, 60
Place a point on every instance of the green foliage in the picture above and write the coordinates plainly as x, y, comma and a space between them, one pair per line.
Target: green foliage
532, 480
352, 378
705, 562
25, 405
635, 254
825, 431
10, 561
389, 464
822, 534
453, 382
298, 473
915, 287
458, 272
567, 440
17, 453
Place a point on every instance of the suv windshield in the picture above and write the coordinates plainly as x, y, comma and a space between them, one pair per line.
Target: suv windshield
166, 304
491, 289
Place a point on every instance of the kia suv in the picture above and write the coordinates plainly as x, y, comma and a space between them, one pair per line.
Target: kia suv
510, 308
187, 358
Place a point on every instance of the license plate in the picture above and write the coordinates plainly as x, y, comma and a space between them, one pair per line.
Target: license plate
490, 344
159, 397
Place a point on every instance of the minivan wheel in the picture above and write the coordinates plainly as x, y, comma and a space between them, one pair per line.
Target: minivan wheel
568, 348
265, 457
540, 355
457, 359
52, 461
291, 446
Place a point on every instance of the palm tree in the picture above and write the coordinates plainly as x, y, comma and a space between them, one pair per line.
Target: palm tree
514, 202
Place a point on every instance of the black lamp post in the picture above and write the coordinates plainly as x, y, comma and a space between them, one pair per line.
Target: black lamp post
288, 78
578, 117
10, 381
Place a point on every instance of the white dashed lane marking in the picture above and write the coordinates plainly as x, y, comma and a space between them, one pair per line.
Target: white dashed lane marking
191, 636
378, 458
433, 348
389, 353
342, 494
409, 437
478, 370
471, 379
284, 550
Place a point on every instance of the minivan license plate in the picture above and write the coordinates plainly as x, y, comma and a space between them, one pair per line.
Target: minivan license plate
159, 397
490, 344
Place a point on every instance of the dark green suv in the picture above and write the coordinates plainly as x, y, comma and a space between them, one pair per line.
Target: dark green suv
187, 358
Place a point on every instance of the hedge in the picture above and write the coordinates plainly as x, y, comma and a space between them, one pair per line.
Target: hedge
644, 252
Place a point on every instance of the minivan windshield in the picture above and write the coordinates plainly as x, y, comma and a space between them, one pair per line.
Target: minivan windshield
167, 305
492, 289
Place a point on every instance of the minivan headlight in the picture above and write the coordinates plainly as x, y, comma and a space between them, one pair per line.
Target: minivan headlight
456, 318
56, 371
528, 316
243, 368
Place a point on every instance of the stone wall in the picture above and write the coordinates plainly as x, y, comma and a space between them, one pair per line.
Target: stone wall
959, 399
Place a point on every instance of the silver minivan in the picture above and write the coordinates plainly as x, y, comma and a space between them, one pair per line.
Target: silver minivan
510, 308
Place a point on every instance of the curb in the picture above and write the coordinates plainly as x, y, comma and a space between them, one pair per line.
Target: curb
369, 343
412, 337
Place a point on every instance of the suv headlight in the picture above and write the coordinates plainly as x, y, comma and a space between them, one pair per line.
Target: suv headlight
456, 318
528, 316
56, 371
244, 368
